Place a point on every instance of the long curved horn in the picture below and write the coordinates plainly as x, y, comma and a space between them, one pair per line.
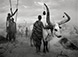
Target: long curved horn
48, 16
65, 20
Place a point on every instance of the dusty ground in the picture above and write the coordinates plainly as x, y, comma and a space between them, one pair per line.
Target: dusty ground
22, 48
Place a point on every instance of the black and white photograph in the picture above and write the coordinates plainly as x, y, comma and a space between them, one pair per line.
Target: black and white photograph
38, 28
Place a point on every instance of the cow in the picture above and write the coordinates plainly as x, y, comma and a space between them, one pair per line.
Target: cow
56, 35
55, 29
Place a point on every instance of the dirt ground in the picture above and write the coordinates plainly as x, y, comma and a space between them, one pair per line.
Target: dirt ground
22, 48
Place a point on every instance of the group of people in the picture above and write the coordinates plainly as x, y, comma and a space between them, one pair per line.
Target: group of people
11, 26
37, 31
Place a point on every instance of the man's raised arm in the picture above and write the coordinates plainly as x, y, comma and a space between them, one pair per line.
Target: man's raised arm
14, 12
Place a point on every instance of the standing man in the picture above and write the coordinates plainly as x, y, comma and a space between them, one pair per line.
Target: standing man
26, 31
13, 30
37, 33
8, 21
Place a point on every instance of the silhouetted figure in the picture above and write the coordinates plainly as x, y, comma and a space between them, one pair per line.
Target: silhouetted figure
8, 21
37, 33
26, 31
13, 30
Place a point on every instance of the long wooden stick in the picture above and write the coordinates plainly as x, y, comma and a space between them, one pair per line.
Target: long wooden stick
17, 12
10, 3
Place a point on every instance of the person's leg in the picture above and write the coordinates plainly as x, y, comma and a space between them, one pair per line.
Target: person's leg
10, 36
47, 46
7, 37
44, 50
37, 49
31, 41
37, 44
40, 46
14, 37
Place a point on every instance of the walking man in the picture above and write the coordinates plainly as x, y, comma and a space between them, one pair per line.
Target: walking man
37, 33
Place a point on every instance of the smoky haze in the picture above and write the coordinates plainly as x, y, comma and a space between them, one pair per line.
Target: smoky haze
30, 9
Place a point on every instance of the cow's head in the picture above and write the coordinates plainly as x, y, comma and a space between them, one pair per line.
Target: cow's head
57, 30
55, 27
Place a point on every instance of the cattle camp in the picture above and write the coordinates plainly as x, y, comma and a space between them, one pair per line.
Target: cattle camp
38, 28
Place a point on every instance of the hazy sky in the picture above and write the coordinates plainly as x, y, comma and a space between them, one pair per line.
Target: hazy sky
30, 9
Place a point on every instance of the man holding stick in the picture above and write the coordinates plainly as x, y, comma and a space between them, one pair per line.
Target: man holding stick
8, 23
